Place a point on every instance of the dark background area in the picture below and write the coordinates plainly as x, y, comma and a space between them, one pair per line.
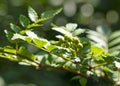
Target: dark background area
86, 13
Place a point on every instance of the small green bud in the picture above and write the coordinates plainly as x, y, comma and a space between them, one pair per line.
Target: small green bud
79, 45
68, 38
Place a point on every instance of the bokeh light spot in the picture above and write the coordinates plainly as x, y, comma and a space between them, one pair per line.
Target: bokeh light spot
17, 2
70, 8
112, 16
3, 9
56, 2
87, 10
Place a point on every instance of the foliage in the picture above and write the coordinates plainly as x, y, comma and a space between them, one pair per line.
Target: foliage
104, 37
70, 52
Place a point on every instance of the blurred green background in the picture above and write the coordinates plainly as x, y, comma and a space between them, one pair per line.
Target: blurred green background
86, 13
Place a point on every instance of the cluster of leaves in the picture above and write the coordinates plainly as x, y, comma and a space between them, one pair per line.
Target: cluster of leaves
70, 52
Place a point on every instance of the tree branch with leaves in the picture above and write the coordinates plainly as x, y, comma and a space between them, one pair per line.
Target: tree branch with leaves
70, 52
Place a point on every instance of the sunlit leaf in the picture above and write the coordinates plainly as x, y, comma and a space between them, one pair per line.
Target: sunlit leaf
26, 54
117, 64
17, 36
60, 37
8, 52
97, 41
28, 39
9, 49
31, 34
71, 26
78, 32
32, 14
96, 50
107, 70
51, 47
61, 30
40, 42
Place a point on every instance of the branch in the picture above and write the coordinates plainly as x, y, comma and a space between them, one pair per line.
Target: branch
45, 65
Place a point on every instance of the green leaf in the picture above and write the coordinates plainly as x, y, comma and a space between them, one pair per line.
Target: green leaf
96, 51
76, 77
97, 38
9, 49
31, 34
71, 26
15, 28
28, 39
32, 14
62, 30
50, 59
95, 33
107, 70
24, 21
9, 36
115, 52
85, 49
103, 30
68, 64
78, 32
23, 51
40, 42
17, 36
41, 56
62, 52
114, 35
115, 48
49, 14
109, 59
51, 47
58, 60
114, 42
8, 52
117, 64
83, 81
45, 58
